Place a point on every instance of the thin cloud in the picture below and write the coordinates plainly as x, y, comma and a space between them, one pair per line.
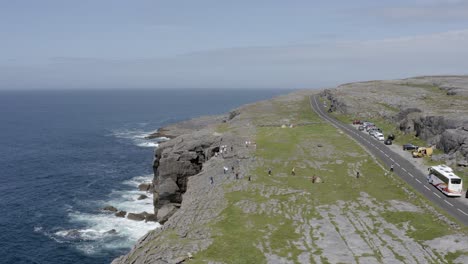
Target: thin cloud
301, 66
448, 10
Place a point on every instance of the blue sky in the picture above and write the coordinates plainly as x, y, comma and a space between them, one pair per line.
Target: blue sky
227, 44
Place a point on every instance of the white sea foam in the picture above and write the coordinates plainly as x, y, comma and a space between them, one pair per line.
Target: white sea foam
148, 144
98, 235
138, 137
135, 181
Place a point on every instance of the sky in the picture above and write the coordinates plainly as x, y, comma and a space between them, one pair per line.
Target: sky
114, 44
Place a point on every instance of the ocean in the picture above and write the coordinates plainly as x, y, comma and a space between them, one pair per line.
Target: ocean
64, 155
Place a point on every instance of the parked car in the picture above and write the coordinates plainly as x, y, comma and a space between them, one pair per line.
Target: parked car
388, 141
361, 128
357, 122
379, 137
409, 146
391, 137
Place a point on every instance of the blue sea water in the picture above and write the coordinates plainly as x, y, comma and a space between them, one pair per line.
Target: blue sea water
66, 154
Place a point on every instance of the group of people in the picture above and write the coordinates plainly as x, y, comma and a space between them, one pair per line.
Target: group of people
248, 143
223, 149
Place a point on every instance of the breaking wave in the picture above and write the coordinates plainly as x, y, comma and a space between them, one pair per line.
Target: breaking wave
101, 231
138, 137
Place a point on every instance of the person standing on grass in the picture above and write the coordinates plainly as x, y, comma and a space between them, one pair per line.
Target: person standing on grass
293, 171
269, 171
391, 168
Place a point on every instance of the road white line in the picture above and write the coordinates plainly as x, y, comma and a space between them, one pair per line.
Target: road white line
386, 155
426, 187
436, 194
403, 169
462, 212
448, 203
418, 181
397, 164
410, 175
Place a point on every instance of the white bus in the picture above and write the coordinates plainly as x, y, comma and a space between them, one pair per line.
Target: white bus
442, 177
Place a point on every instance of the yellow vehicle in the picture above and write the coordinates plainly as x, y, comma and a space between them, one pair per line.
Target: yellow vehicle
422, 152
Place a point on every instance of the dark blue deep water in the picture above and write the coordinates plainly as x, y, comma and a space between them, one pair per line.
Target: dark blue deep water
66, 154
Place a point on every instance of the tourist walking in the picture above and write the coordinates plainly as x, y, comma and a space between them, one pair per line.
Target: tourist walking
269, 171
391, 167
293, 171
211, 180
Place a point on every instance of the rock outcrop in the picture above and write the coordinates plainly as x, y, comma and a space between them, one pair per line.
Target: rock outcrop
121, 214
175, 161
110, 208
424, 106
336, 104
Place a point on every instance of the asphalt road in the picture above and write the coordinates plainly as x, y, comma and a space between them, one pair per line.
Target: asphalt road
402, 167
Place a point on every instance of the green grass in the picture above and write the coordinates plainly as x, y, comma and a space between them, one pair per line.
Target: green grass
426, 225
452, 256
234, 240
222, 128
428, 87
389, 107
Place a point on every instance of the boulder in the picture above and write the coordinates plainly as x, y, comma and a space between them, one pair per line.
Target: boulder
111, 232
403, 114
110, 208
454, 140
137, 217
165, 212
151, 218
121, 214
142, 197
145, 187
316, 179
168, 191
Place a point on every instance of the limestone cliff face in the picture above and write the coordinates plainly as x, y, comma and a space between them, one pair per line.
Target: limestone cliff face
175, 161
